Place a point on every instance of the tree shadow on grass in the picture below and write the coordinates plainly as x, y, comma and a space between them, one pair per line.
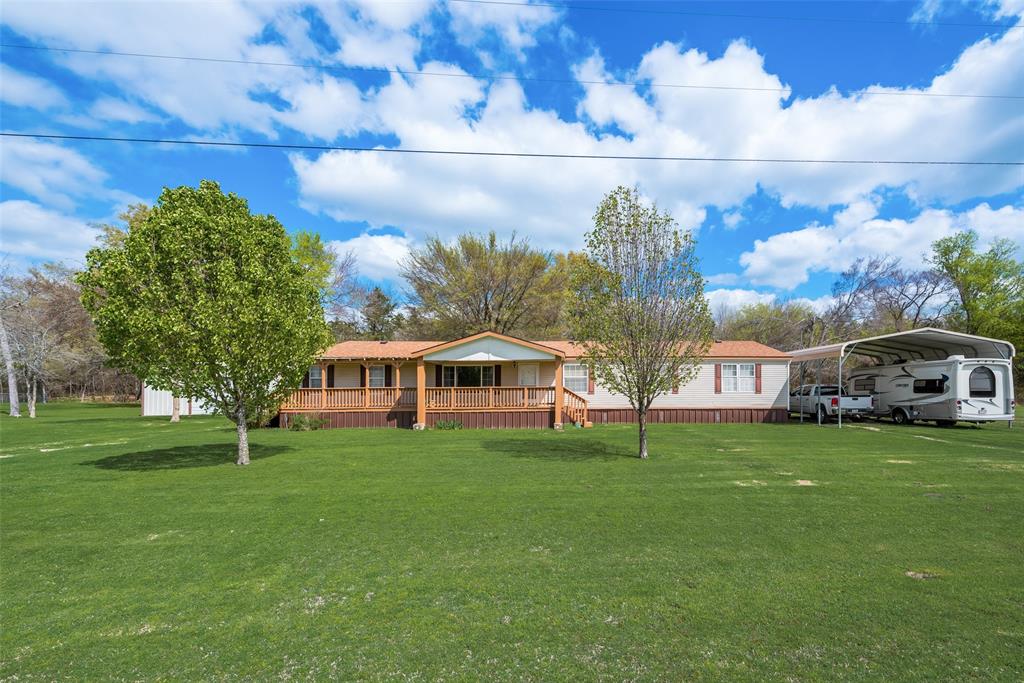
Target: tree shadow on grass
574, 450
182, 457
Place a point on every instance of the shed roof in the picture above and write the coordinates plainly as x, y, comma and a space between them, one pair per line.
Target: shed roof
926, 343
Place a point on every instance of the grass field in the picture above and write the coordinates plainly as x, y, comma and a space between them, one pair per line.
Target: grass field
132, 549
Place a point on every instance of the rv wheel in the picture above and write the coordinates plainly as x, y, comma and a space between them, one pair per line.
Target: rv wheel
900, 417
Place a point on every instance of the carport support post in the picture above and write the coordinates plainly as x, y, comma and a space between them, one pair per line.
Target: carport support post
817, 391
839, 390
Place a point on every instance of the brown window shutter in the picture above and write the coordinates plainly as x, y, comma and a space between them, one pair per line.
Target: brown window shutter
362, 375
388, 370
330, 375
757, 378
718, 378
305, 380
438, 376
497, 375
590, 382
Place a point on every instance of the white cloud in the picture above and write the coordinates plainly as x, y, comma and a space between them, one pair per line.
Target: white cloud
116, 109
32, 231
734, 299
51, 173
786, 259
325, 109
378, 255
723, 279
515, 25
731, 219
22, 90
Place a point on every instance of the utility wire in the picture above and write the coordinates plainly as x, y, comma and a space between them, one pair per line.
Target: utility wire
768, 17
530, 155
493, 77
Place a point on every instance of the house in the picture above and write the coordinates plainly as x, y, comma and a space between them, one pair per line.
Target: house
492, 380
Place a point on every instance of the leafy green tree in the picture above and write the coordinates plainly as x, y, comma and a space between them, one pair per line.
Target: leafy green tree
380, 315
988, 287
479, 283
637, 305
780, 325
206, 299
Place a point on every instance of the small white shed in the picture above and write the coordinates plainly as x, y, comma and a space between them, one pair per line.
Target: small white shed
156, 402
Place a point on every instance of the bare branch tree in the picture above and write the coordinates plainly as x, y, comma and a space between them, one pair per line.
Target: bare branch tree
637, 303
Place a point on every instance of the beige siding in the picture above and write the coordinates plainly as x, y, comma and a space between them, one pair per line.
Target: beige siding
700, 392
346, 375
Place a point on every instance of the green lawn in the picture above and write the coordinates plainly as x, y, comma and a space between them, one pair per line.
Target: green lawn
133, 549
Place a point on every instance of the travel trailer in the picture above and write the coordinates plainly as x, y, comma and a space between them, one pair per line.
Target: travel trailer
957, 389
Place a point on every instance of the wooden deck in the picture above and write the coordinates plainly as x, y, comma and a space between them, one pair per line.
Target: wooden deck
437, 399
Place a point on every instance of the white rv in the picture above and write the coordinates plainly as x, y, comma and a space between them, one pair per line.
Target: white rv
956, 389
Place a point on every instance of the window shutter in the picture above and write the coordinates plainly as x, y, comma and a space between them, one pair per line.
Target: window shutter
757, 378
497, 375
590, 382
362, 375
438, 377
388, 374
305, 380
718, 378
330, 375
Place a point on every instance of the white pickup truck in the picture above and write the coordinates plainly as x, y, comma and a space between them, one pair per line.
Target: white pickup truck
824, 400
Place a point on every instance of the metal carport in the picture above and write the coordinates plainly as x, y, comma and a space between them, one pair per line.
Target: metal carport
926, 343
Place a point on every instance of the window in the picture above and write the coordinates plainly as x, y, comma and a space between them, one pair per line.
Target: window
865, 384
377, 376
929, 386
737, 377
576, 377
467, 376
982, 383
314, 377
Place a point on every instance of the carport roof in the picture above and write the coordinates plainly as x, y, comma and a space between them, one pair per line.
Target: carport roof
926, 343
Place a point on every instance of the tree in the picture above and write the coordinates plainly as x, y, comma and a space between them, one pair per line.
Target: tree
333, 274
775, 324
988, 287
637, 306
206, 299
380, 316
8, 302
479, 283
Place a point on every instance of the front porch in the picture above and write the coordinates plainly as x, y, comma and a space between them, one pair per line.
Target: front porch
513, 383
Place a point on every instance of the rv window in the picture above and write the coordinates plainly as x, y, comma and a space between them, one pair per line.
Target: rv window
982, 383
864, 384
929, 386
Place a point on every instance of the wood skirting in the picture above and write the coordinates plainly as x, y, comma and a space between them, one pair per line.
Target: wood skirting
538, 419
690, 415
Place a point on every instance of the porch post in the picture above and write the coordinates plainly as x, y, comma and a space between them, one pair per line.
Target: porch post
559, 393
397, 381
421, 394
323, 385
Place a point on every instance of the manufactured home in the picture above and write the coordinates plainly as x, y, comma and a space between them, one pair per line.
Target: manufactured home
491, 380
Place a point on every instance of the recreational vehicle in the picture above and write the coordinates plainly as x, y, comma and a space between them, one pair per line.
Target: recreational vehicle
957, 389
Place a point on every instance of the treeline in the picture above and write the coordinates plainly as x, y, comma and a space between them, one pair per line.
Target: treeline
961, 288
479, 282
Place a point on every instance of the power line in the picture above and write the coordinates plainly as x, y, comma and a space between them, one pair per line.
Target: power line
529, 155
768, 17
494, 77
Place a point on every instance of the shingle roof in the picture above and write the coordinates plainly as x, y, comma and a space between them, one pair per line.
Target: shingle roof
376, 350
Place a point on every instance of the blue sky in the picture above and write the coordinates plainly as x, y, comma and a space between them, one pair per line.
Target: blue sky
764, 231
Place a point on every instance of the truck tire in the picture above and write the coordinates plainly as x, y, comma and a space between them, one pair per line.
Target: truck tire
822, 415
900, 417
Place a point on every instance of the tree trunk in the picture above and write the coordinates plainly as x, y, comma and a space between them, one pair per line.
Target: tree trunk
642, 417
12, 377
243, 438
175, 409
31, 391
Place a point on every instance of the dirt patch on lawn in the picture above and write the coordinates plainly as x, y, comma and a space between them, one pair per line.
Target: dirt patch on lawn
920, 576
901, 462
804, 482
751, 482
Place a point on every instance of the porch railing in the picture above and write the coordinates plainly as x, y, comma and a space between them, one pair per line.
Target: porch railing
575, 407
361, 398
486, 398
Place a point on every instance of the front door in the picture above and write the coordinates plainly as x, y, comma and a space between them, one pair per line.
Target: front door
528, 374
